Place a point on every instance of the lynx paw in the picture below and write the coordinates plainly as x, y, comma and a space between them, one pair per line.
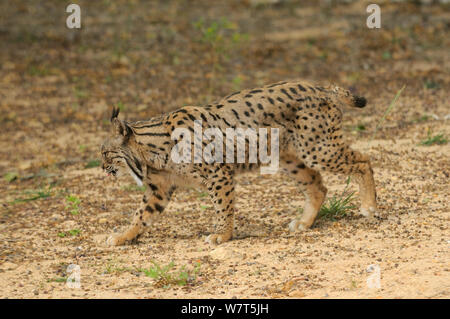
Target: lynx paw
297, 225
114, 240
216, 239
368, 212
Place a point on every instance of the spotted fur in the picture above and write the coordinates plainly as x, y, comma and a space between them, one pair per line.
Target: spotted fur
309, 121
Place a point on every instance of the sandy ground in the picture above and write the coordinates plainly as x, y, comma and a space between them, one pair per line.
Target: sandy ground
54, 119
409, 240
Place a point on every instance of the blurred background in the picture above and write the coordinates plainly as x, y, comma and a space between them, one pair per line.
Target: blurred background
147, 57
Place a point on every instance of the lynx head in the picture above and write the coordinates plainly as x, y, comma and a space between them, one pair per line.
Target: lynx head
117, 157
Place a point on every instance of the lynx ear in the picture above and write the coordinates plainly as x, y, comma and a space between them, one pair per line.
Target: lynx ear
119, 127
115, 113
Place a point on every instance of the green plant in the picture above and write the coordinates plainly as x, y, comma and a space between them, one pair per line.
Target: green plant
202, 194
113, 267
10, 177
82, 148
80, 92
237, 83
166, 276
74, 232
338, 206
360, 127
439, 139
423, 118
57, 279
73, 204
92, 163
121, 106
34, 195
386, 55
38, 70
221, 37
430, 84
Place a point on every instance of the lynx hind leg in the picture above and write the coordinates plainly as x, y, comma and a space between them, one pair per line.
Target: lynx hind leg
358, 166
153, 204
221, 191
310, 182
349, 162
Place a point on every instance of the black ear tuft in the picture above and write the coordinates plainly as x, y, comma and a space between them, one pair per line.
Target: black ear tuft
115, 113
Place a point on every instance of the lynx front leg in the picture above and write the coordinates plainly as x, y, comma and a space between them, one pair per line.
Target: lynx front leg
310, 182
221, 191
153, 204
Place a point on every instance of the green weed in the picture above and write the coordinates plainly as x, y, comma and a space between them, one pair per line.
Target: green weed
438, 139
10, 177
92, 163
166, 276
338, 206
34, 195
73, 204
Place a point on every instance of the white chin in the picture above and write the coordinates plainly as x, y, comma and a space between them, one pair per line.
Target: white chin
137, 179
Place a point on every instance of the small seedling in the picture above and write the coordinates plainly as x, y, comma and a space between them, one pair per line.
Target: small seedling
58, 279
439, 139
423, 118
112, 267
92, 163
166, 276
80, 92
38, 71
73, 204
338, 206
386, 55
237, 83
35, 195
430, 84
10, 177
74, 232
360, 128
121, 106
221, 38
202, 194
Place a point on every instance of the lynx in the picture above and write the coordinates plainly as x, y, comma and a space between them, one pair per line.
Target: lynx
308, 119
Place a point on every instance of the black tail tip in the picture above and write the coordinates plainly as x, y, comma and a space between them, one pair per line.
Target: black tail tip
360, 101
